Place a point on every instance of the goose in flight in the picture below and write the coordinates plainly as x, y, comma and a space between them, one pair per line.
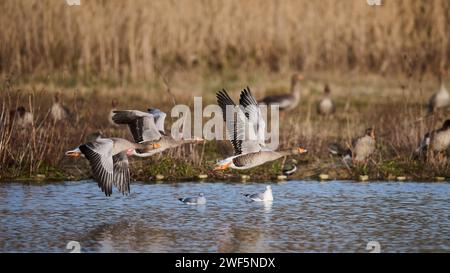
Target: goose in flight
286, 101
108, 158
262, 196
246, 131
148, 127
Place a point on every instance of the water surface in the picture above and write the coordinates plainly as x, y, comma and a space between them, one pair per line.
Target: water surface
304, 217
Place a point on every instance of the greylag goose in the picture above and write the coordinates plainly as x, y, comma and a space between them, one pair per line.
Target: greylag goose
108, 158
148, 127
286, 101
21, 117
326, 105
436, 141
441, 98
199, 200
262, 196
58, 111
362, 148
250, 152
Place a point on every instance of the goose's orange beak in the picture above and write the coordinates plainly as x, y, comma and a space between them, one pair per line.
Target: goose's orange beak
222, 167
73, 153
155, 145
302, 150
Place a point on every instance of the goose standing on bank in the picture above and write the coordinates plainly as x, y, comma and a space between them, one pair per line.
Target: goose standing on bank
362, 148
21, 117
437, 141
326, 105
251, 151
441, 98
148, 127
58, 111
286, 101
108, 158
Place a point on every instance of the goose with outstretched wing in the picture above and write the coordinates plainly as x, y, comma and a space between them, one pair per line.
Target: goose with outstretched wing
148, 128
108, 158
246, 132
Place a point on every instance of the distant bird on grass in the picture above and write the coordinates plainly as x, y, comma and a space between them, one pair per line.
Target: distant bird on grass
437, 141
261, 197
114, 104
361, 150
199, 200
441, 98
21, 118
249, 149
290, 168
108, 158
286, 101
326, 105
59, 112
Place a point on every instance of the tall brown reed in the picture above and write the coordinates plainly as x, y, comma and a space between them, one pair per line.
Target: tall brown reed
127, 39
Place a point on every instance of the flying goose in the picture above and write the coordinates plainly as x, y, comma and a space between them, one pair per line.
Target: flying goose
249, 151
262, 196
199, 200
435, 141
326, 105
286, 101
108, 158
59, 111
362, 148
148, 127
441, 98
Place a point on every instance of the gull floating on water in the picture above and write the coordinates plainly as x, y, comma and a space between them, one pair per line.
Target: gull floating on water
262, 196
199, 200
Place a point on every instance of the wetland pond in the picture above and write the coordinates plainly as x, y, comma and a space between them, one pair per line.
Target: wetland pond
305, 216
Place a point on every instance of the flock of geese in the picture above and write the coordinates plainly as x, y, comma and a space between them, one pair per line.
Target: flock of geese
108, 157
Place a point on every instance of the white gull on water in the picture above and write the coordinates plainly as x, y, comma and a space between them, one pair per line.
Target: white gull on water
262, 196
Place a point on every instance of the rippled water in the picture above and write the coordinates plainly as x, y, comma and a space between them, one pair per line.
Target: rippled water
304, 217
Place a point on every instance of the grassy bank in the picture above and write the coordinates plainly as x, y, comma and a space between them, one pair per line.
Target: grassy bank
394, 106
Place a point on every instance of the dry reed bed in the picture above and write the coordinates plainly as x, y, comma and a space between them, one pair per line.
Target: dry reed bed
130, 39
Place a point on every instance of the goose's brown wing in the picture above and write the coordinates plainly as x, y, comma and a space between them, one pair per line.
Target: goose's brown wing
99, 155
